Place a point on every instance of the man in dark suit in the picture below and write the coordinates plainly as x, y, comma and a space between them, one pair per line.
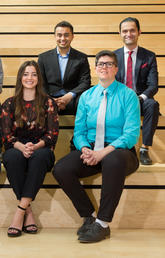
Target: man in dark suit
65, 70
140, 74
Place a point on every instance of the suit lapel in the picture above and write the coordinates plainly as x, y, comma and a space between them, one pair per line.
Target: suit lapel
56, 66
122, 68
121, 65
139, 60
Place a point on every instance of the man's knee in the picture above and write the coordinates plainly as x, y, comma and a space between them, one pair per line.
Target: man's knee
151, 106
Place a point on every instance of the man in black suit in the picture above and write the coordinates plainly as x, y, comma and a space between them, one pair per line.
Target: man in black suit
144, 80
65, 70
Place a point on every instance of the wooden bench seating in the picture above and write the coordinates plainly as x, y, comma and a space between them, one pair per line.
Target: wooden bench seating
141, 204
26, 29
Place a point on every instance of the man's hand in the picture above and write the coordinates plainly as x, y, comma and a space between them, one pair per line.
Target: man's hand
63, 101
60, 104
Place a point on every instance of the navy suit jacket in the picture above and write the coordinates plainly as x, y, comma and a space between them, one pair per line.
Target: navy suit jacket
146, 74
77, 74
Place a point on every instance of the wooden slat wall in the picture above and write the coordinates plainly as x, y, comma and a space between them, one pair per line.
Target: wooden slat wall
83, 8
24, 33
82, 21
80, 2
26, 29
33, 44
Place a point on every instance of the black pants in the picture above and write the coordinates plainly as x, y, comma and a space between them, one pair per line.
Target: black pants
114, 167
150, 111
27, 175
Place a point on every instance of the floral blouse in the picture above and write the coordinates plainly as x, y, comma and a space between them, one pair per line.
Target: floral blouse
30, 132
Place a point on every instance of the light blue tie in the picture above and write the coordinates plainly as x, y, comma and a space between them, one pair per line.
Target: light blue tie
100, 129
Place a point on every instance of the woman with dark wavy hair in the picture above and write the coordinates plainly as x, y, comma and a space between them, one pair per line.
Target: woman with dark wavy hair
30, 131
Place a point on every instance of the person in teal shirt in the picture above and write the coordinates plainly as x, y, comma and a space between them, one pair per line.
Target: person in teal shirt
115, 160
121, 121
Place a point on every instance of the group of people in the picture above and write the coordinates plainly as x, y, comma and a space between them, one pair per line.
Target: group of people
107, 125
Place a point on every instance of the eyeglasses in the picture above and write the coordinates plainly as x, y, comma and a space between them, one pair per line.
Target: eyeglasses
107, 64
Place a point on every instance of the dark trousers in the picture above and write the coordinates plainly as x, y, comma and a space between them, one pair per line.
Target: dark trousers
27, 175
150, 111
114, 167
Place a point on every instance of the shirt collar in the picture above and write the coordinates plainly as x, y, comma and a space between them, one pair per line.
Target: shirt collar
110, 89
58, 53
126, 50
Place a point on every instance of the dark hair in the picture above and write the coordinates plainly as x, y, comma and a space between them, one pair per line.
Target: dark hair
40, 95
130, 19
106, 53
64, 24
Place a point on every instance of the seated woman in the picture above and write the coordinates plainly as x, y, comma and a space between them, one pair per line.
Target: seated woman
29, 133
107, 127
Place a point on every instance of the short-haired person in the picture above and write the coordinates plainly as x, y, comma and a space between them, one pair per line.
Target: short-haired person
29, 133
65, 70
138, 70
105, 146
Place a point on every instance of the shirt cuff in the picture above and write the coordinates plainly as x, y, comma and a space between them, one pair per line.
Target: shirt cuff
73, 94
144, 97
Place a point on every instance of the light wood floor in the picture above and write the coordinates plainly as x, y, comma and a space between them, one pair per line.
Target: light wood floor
62, 243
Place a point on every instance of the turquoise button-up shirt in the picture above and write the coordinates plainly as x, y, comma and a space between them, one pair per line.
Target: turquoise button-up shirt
122, 119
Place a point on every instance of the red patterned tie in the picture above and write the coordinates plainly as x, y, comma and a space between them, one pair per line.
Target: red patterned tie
129, 70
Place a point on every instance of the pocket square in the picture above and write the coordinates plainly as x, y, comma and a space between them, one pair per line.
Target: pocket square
144, 65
